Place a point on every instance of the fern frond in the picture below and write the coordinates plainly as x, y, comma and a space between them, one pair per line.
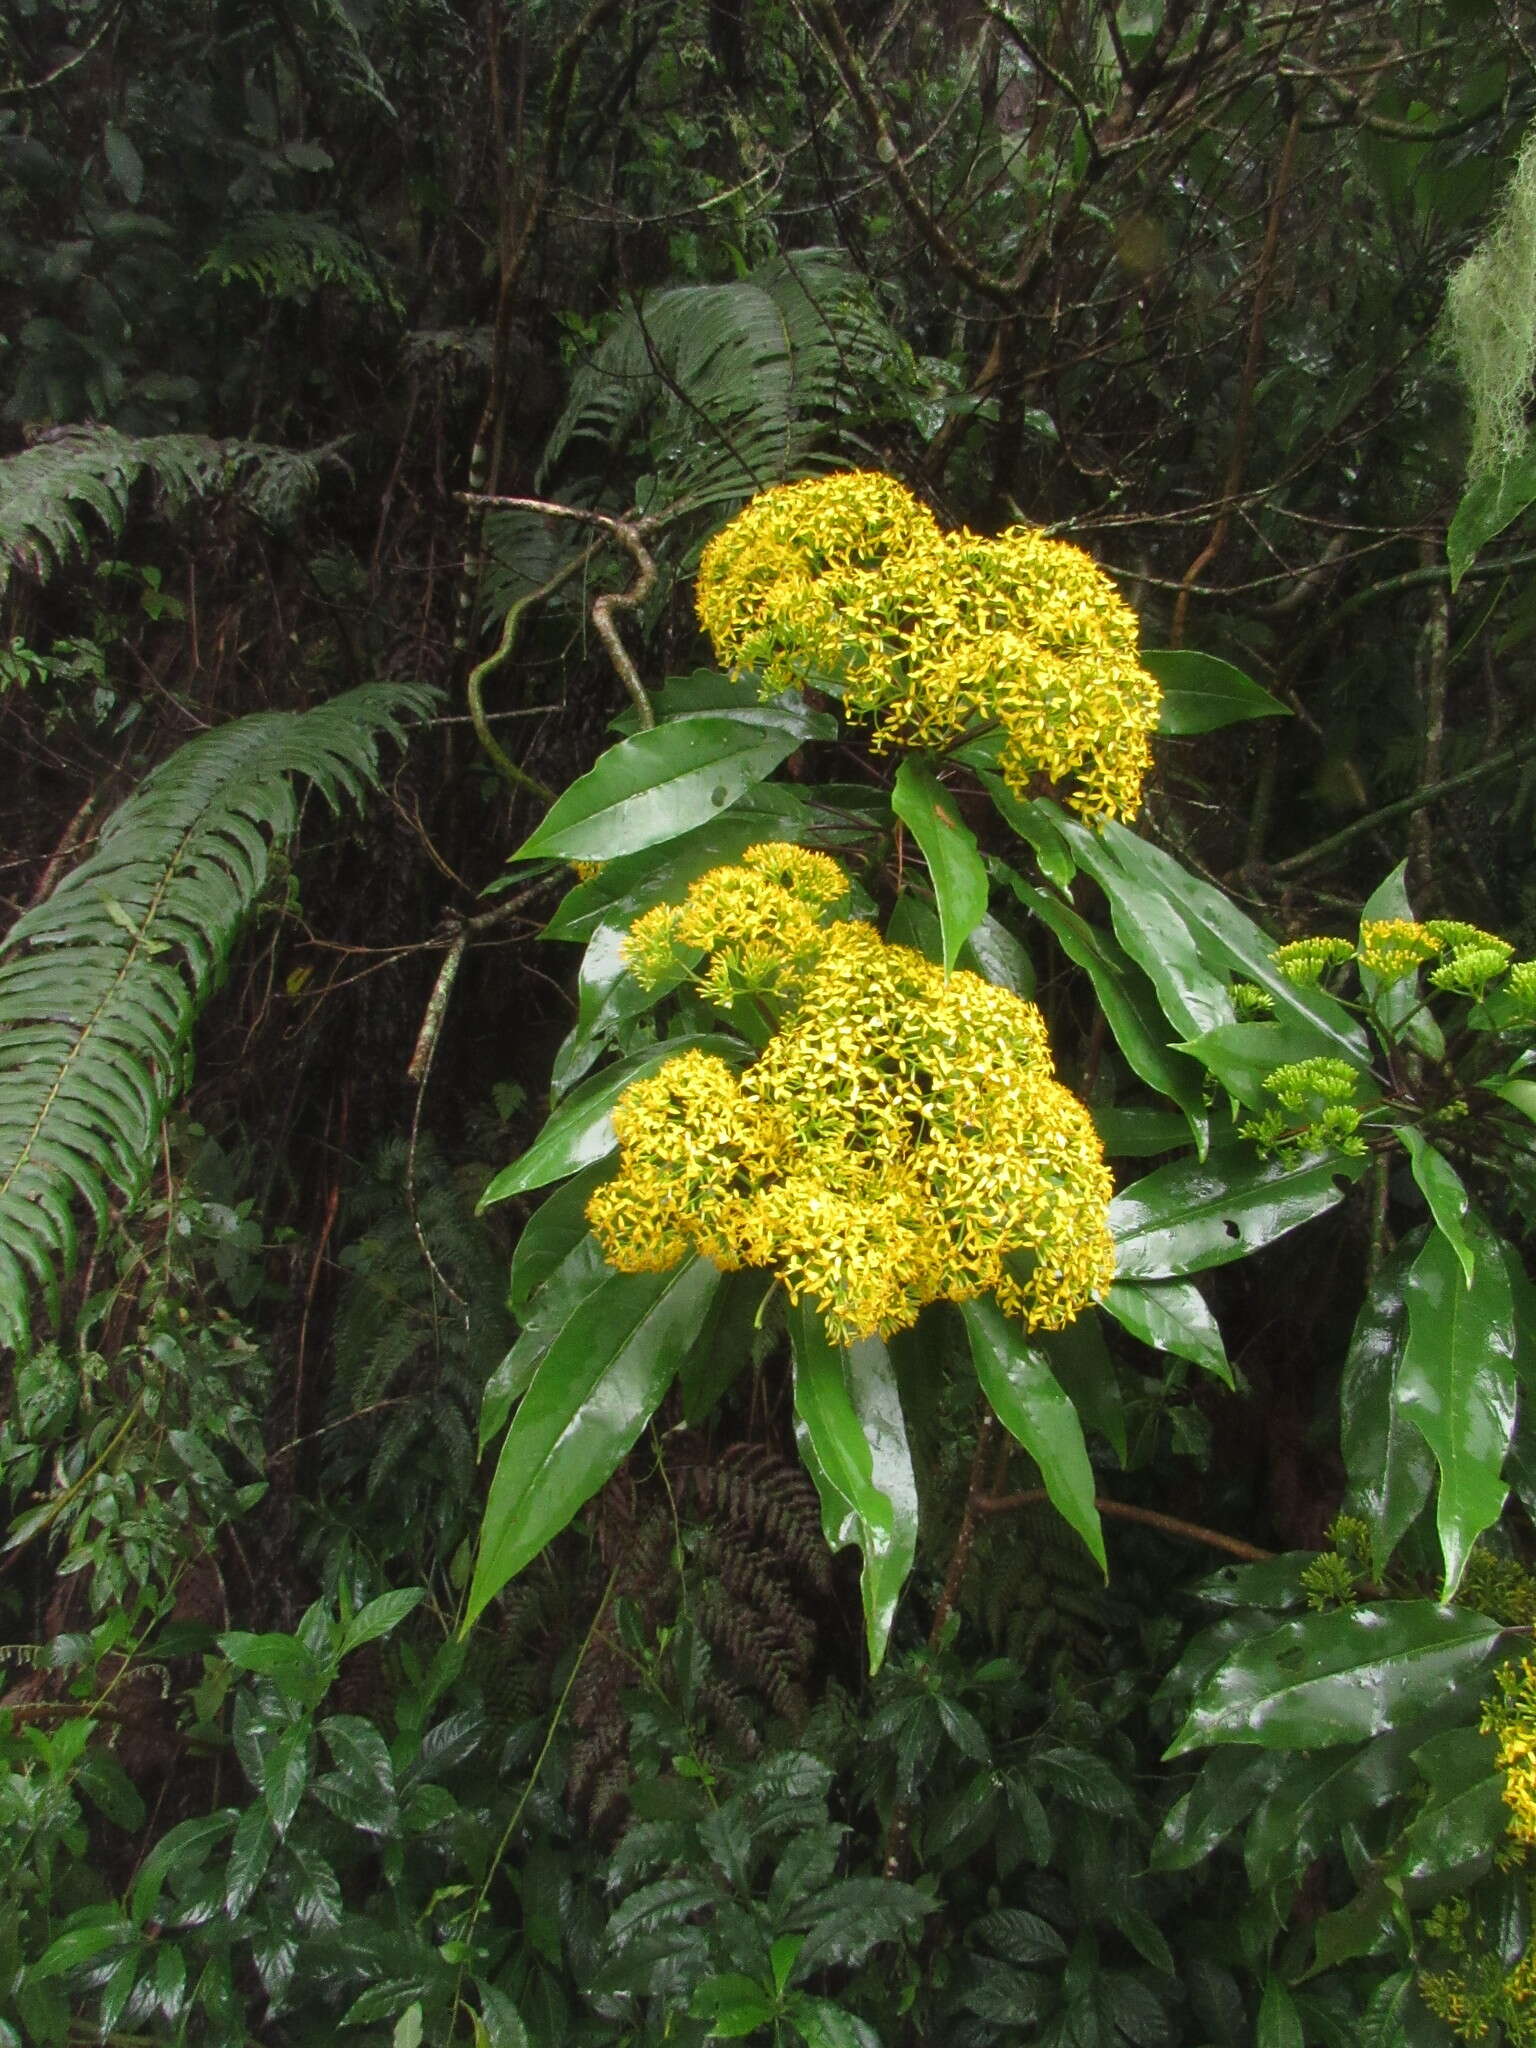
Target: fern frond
287, 254
102, 982
47, 491
736, 385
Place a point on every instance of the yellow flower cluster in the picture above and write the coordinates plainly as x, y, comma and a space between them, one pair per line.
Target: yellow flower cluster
1392, 948
901, 1139
1511, 1718
933, 635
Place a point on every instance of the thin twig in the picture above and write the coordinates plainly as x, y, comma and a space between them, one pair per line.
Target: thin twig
1169, 1525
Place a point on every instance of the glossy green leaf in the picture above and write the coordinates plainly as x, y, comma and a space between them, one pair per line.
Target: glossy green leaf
1135, 1133
1463, 1822
1036, 824
1325, 1679
1391, 1469
622, 889
997, 956
1191, 1215
1279, 2021
598, 1386
659, 784
932, 816
1241, 1057
1202, 692
848, 1424
1299, 1818
1456, 1384
581, 1130
1491, 502
1190, 939
1518, 1093
1171, 1316
550, 1235
1122, 992
583, 1269
1444, 1190
1220, 1801
1086, 1373
1027, 1399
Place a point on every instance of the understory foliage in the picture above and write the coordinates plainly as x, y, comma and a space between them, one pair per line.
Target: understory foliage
766, 1025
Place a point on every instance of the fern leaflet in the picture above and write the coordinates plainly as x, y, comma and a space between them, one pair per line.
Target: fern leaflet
47, 490
102, 982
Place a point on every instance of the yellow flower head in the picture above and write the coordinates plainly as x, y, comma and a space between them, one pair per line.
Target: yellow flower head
934, 634
1394, 947
1511, 1717
901, 1139
1304, 962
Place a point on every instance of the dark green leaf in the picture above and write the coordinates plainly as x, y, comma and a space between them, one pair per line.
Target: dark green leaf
1456, 1384
1017, 1936
581, 1130
1442, 1188
1390, 1467
381, 1617
1202, 692
1123, 996
1325, 1679
660, 784
596, 1389
1191, 1215
1279, 2022
849, 1426
1080, 1360
1241, 1057
1024, 1395
959, 878
1302, 1816
1171, 1316
1491, 502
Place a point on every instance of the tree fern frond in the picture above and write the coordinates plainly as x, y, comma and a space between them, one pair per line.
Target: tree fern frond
737, 385
102, 982
47, 491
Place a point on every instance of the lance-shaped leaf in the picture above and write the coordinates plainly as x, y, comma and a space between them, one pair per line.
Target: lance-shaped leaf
1389, 1464
661, 783
581, 1130
1456, 1384
1443, 1189
1190, 939
596, 1388
1028, 1400
1202, 692
1325, 1679
849, 1426
931, 815
1190, 1215
1171, 1316
1124, 998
